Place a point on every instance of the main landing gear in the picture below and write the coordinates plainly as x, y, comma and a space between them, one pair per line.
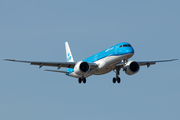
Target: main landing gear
117, 78
114, 80
82, 80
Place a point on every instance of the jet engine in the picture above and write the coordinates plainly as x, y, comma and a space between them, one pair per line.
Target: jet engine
81, 68
131, 67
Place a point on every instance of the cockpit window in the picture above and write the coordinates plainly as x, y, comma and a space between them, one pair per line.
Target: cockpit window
125, 46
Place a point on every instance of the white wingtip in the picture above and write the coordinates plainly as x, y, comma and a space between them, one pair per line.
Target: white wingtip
8, 59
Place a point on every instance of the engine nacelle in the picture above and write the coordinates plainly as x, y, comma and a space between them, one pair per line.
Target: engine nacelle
81, 68
131, 67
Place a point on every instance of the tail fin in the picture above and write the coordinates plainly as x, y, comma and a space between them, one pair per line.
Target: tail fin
68, 53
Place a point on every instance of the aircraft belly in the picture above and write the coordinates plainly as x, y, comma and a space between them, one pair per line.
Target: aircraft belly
107, 64
109, 61
73, 74
103, 71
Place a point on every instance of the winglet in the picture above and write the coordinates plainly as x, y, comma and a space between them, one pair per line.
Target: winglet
8, 59
68, 53
174, 59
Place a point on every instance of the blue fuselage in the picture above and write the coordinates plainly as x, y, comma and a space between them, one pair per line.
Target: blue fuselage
117, 50
112, 51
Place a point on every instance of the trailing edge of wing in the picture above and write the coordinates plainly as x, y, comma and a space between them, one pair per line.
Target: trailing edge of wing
55, 71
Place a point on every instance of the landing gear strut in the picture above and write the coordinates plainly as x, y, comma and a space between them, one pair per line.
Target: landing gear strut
82, 80
117, 77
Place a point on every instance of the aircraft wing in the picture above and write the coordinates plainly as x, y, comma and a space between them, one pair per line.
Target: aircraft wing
148, 63
52, 64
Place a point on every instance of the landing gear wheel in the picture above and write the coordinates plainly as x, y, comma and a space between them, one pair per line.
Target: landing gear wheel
114, 80
118, 80
84, 80
118, 68
79, 80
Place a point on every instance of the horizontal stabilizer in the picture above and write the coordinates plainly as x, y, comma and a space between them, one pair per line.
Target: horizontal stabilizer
55, 71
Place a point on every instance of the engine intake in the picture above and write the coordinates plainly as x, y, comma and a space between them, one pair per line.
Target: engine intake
81, 68
131, 67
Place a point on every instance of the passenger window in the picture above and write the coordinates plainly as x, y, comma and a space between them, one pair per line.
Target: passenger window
120, 46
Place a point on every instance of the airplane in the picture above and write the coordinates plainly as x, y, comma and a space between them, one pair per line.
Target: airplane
114, 59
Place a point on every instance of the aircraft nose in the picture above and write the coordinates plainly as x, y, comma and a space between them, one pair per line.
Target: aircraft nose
130, 50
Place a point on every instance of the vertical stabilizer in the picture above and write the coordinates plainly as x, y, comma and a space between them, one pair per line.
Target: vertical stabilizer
68, 53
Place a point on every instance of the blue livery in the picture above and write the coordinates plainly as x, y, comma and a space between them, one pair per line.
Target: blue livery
116, 50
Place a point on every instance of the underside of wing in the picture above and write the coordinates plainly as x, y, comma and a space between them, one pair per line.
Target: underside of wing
52, 64
148, 63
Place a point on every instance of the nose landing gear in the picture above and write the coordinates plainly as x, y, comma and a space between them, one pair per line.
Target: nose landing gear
117, 78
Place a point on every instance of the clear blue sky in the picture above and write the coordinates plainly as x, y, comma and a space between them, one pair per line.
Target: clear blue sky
37, 29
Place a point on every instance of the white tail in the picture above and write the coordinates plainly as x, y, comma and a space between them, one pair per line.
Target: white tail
68, 53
